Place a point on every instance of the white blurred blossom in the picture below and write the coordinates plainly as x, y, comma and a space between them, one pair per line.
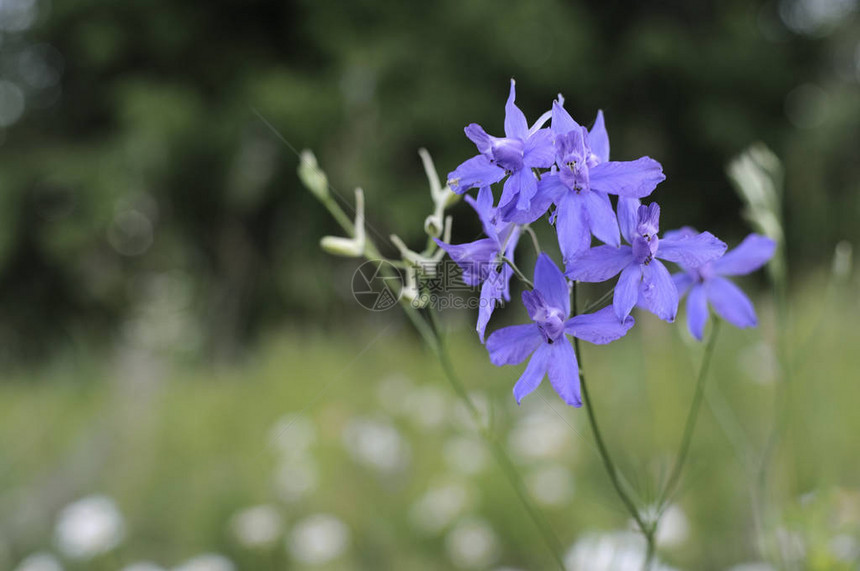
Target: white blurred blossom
759, 362
143, 566
207, 562
465, 455
613, 551
427, 406
318, 539
295, 479
375, 443
551, 485
463, 418
257, 526
440, 506
292, 435
845, 547
40, 562
89, 527
472, 543
539, 435
757, 566
393, 392
674, 528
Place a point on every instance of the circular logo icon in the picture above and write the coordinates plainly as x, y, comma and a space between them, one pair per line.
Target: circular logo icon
377, 285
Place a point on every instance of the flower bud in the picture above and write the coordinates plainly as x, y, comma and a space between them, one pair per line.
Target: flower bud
312, 176
342, 246
433, 225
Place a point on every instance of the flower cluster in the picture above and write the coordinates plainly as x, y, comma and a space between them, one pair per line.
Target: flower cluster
564, 171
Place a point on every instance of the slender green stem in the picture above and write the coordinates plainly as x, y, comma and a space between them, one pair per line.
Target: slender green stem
596, 304
434, 340
692, 415
520, 276
437, 344
534, 238
601, 444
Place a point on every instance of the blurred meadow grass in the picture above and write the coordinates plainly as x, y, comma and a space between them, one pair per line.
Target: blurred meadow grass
372, 427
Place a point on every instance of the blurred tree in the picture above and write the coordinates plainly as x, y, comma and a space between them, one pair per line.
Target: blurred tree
133, 156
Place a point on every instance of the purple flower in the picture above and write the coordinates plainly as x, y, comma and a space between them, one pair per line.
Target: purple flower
585, 178
707, 283
644, 279
479, 260
545, 339
515, 155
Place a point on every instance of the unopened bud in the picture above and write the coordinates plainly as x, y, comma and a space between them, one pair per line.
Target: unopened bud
433, 225
312, 176
342, 246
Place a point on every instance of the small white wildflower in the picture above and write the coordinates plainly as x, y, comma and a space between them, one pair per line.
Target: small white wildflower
472, 543
292, 435
552, 486
393, 392
440, 506
207, 562
427, 406
258, 526
674, 528
463, 418
465, 455
318, 539
845, 547
295, 479
89, 527
540, 435
40, 562
757, 566
375, 443
613, 551
143, 566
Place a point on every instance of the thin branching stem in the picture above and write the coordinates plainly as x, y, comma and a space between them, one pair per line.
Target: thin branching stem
533, 236
608, 463
434, 340
520, 276
692, 416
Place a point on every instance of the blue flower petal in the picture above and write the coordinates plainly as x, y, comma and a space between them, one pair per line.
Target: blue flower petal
598, 138
633, 179
599, 264
516, 126
474, 173
552, 285
697, 311
627, 291
750, 255
574, 237
600, 327
691, 251
511, 345
563, 371
657, 291
534, 373
601, 218
731, 303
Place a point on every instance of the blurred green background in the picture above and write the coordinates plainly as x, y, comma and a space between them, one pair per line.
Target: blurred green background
164, 307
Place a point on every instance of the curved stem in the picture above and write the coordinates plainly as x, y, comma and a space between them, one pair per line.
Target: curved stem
596, 304
437, 344
521, 276
601, 445
534, 238
692, 415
